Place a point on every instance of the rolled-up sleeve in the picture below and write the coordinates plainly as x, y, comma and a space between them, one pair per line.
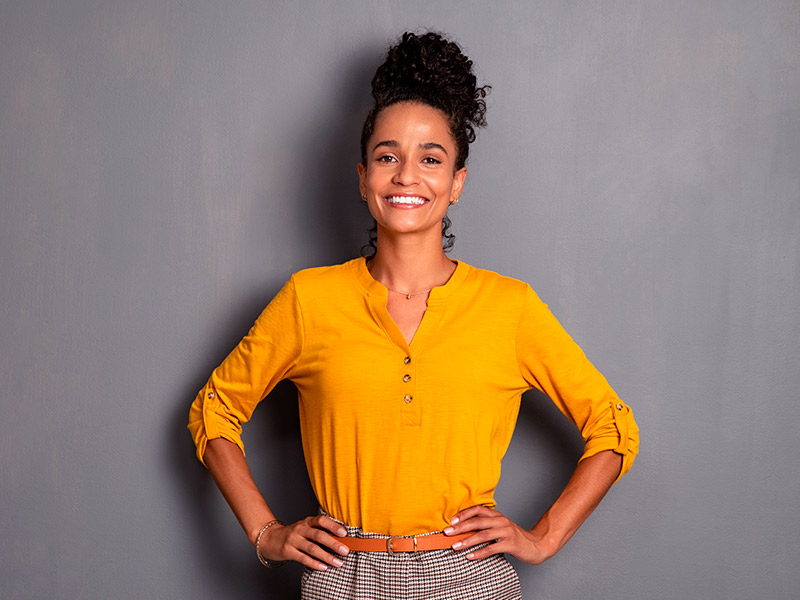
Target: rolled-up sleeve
266, 355
550, 360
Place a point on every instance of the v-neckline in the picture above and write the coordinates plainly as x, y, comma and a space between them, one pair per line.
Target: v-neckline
418, 323
379, 295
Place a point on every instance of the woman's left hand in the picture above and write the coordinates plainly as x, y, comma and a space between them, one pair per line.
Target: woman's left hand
501, 533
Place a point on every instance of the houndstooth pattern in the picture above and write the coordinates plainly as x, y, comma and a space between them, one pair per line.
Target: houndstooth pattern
430, 575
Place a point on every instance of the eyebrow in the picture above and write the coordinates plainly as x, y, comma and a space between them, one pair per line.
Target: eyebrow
396, 144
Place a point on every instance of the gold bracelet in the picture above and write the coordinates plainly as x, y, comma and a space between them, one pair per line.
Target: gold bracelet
271, 564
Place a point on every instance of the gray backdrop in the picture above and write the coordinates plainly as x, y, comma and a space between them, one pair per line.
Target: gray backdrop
165, 166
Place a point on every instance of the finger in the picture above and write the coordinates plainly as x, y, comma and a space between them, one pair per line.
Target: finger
470, 512
325, 522
306, 534
481, 537
325, 539
306, 551
489, 550
320, 554
306, 560
316, 531
476, 523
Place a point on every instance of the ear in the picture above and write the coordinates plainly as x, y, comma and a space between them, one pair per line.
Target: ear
362, 179
458, 183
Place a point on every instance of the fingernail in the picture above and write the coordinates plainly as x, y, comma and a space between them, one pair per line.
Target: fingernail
470, 555
323, 567
342, 532
454, 520
338, 562
448, 531
457, 545
343, 550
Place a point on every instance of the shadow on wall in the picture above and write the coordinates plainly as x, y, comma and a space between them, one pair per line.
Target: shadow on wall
333, 223
275, 456
330, 203
324, 208
557, 446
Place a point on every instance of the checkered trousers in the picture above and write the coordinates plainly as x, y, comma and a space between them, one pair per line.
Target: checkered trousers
430, 575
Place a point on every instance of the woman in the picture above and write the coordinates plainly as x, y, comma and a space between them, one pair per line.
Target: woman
409, 368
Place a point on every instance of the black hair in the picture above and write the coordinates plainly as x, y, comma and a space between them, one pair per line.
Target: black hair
431, 70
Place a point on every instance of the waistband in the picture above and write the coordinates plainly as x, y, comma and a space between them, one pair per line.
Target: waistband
414, 543
359, 540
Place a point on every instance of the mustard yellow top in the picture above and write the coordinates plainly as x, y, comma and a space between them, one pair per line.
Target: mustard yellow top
399, 437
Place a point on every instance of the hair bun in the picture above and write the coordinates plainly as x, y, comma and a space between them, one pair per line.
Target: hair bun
430, 69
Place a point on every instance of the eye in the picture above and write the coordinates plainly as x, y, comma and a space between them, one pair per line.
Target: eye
430, 160
385, 158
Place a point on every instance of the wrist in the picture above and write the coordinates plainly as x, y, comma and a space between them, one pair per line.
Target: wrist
261, 533
547, 539
255, 526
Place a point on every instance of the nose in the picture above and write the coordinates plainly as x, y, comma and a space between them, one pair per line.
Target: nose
406, 174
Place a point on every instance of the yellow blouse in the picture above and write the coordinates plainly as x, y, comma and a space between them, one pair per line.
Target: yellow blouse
399, 437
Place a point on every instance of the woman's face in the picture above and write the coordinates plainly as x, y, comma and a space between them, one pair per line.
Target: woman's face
410, 178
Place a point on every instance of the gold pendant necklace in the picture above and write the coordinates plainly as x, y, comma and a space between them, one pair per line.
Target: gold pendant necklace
408, 295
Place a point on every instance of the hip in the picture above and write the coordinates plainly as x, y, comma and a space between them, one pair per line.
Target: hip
445, 574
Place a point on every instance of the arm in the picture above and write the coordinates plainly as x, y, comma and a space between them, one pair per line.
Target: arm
265, 356
552, 362
589, 483
298, 541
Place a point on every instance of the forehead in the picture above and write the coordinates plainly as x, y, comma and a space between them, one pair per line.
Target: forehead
412, 122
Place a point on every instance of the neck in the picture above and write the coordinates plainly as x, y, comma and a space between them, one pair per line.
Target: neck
410, 264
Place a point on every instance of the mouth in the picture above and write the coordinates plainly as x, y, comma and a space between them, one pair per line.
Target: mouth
406, 200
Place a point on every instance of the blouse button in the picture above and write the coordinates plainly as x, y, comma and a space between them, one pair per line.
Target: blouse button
408, 398
211, 395
406, 360
406, 377
619, 406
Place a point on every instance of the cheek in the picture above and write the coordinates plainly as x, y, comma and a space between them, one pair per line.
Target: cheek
442, 184
372, 206
372, 180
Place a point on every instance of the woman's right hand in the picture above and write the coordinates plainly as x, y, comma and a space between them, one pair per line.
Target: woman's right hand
309, 542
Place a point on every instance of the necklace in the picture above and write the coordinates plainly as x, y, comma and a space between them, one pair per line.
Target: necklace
408, 295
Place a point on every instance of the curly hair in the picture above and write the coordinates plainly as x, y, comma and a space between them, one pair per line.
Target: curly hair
430, 70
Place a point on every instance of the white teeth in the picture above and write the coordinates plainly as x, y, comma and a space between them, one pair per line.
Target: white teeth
405, 200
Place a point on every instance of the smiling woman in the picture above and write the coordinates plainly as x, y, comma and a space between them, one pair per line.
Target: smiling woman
410, 368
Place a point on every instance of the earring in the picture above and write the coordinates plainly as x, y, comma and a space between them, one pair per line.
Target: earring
363, 198
454, 202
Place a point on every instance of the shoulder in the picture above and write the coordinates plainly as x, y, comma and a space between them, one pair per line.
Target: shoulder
507, 292
492, 282
326, 274
326, 282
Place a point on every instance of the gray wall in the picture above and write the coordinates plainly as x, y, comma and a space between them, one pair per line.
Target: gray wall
165, 166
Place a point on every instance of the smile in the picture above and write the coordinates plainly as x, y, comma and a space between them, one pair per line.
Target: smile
416, 200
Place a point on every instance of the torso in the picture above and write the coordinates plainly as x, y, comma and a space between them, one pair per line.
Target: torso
368, 398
